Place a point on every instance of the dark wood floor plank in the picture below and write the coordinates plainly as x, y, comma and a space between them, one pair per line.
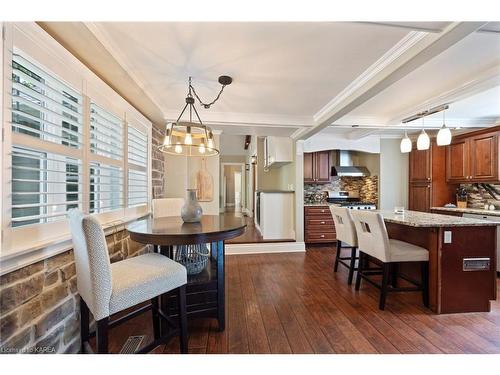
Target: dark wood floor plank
256, 332
293, 302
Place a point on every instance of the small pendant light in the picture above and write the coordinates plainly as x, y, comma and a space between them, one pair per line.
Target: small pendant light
405, 145
444, 134
423, 140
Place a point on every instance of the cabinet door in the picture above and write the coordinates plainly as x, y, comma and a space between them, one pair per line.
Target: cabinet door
420, 165
420, 197
308, 167
322, 164
457, 161
484, 158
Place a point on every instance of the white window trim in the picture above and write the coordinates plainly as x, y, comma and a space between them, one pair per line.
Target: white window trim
25, 245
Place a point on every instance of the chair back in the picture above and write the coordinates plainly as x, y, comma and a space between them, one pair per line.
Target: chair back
372, 234
167, 207
93, 268
344, 225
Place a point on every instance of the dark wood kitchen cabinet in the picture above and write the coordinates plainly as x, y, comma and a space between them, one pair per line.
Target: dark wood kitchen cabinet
473, 158
317, 167
318, 225
427, 179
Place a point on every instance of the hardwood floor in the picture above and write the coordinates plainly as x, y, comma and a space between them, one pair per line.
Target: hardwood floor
294, 303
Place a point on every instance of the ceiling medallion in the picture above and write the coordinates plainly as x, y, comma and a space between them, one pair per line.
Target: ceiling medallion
190, 138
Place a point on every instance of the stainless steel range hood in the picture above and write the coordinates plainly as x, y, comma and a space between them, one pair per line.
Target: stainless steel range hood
345, 166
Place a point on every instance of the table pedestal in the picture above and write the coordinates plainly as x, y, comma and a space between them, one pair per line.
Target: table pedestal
205, 292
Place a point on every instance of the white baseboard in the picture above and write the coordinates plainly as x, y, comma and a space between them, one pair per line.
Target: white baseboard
266, 247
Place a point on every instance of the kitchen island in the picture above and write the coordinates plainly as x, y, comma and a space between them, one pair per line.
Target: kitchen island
462, 251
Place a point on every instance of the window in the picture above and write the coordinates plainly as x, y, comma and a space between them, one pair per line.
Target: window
106, 188
106, 133
43, 107
44, 186
137, 163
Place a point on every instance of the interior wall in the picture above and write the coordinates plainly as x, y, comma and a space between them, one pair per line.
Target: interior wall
180, 175
393, 181
282, 178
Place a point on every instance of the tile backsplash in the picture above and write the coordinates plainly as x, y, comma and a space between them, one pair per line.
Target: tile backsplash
367, 187
478, 196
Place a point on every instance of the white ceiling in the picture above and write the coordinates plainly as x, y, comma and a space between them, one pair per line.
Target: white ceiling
285, 72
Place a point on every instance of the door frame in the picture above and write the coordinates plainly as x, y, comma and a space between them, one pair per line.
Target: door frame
222, 189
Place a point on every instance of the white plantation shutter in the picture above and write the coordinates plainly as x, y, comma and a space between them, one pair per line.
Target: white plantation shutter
43, 106
106, 188
137, 156
106, 133
44, 186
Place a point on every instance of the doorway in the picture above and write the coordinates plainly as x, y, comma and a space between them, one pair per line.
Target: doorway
232, 185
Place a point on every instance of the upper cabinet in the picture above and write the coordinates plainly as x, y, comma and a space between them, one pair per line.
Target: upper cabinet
277, 151
473, 158
317, 167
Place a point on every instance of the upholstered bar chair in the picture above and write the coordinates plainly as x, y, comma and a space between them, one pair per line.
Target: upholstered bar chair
346, 233
373, 241
164, 207
106, 289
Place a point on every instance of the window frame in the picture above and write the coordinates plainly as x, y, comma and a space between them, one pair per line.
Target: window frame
24, 244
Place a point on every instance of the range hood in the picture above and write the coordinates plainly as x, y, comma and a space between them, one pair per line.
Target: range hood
345, 166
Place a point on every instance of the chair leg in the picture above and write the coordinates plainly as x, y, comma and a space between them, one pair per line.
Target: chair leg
394, 274
102, 335
84, 324
386, 268
181, 297
337, 256
352, 265
360, 270
156, 318
425, 283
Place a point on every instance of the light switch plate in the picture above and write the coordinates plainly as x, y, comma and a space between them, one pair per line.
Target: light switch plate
447, 236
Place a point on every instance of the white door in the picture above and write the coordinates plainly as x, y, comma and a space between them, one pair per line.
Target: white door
237, 191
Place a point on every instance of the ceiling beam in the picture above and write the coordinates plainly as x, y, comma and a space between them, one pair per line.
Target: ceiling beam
414, 51
361, 133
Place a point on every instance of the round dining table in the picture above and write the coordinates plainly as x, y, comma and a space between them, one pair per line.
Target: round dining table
205, 292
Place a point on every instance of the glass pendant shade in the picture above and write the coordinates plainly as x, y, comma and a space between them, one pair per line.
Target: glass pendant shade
423, 141
443, 136
405, 145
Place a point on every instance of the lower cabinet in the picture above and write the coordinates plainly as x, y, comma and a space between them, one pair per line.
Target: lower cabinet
318, 225
419, 197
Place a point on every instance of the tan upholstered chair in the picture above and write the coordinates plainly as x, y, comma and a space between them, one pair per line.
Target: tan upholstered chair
346, 233
164, 207
374, 241
106, 289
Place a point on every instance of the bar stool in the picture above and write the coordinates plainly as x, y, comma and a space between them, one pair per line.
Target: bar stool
346, 233
373, 241
106, 289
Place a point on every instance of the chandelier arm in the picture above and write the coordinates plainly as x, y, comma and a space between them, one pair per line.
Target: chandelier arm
178, 118
207, 105
197, 115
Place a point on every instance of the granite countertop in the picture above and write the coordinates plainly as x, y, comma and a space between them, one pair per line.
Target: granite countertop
316, 204
424, 219
477, 211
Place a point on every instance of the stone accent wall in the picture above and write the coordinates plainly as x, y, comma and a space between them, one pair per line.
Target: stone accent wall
367, 187
39, 304
158, 162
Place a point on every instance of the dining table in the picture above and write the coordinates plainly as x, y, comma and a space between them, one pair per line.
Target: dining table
205, 291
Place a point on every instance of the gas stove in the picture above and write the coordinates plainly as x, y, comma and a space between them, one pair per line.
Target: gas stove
349, 199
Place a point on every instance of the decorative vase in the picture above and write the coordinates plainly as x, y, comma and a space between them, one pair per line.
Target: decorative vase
191, 212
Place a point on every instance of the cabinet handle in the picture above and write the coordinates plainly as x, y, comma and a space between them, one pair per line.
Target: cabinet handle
322, 210
322, 222
322, 236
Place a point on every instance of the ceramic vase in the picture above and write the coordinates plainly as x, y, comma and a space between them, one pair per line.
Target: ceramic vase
191, 212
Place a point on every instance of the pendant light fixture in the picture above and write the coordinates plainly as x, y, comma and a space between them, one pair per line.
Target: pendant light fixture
190, 138
423, 140
444, 134
405, 145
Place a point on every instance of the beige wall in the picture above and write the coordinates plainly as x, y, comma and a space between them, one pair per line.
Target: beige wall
282, 178
393, 179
